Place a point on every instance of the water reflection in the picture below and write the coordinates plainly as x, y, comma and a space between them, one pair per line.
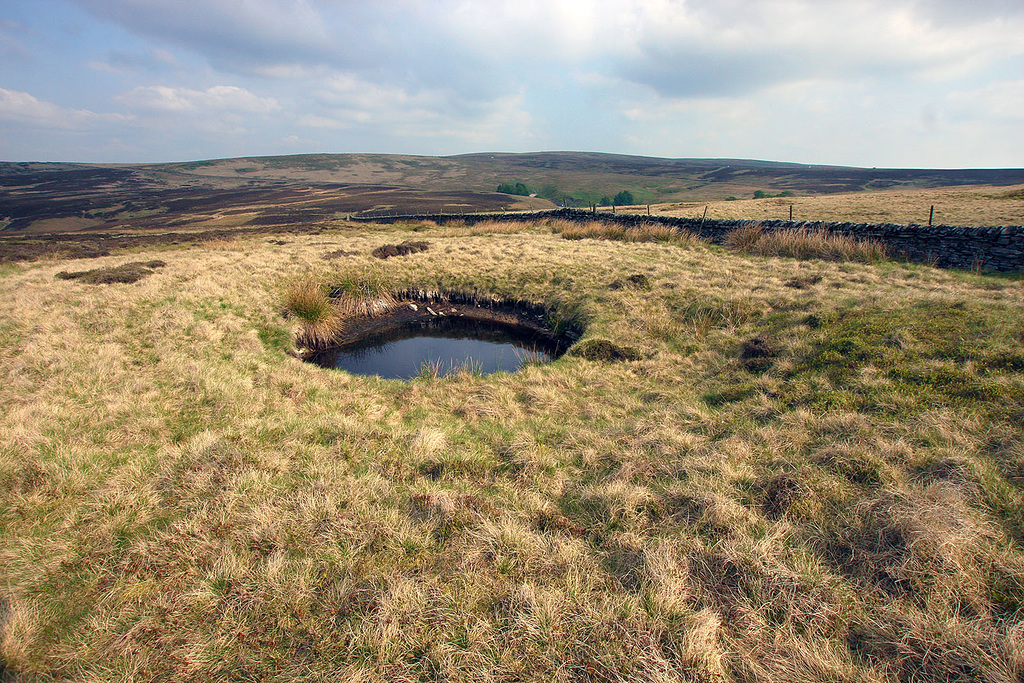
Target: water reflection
441, 346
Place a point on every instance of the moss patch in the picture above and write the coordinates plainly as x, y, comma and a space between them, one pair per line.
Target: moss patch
603, 350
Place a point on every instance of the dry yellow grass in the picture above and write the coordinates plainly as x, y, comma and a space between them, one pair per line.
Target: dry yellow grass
804, 244
971, 206
648, 232
180, 499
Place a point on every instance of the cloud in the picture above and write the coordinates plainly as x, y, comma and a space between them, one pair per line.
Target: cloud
698, 49
679, 48
997, 100
346, 102
235, 35
25, 109
10, 43
158, 98
124, 62
664, 77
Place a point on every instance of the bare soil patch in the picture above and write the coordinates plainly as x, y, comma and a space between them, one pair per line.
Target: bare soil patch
127, 273
402, 249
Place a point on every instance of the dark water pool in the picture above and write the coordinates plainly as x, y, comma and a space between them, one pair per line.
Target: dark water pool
440, 346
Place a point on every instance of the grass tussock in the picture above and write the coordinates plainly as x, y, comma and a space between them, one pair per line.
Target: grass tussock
646, 232
308, 300
499, 227
804, 244
802, 471
320, 317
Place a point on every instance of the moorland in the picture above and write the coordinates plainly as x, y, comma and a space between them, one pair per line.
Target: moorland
49, 198
778, 469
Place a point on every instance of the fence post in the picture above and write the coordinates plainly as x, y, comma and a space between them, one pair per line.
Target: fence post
931, 215
703, 217
791, 212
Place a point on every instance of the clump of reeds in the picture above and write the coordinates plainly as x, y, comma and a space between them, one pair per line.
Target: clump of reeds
326, 311
349, 305
499, 227
651, 232
557, 225
597, 230
745, 239
308, 300
645, 232
804, 244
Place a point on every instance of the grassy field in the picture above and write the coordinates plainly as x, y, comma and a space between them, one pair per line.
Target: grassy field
812, 471
972, 206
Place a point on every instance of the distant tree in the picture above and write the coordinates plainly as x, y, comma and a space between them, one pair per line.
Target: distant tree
731, 199
605, 201
623, 198
761, 194
518, 189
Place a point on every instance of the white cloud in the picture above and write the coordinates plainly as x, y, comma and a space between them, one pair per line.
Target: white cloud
159, 98
822, 80
316, 121
25, 109
701, 48
237, 35
1002, 100
352, 93
681, 48
347, 102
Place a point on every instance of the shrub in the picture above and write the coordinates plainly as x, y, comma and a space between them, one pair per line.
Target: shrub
623, 198
517, 189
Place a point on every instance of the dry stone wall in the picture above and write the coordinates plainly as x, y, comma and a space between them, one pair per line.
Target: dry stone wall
946, 246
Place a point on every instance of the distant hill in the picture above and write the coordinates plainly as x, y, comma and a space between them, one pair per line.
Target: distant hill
63, 197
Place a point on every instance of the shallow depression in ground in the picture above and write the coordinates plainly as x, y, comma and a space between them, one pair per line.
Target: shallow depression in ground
440, 347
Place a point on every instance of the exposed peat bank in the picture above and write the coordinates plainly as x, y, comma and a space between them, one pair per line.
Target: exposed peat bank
429, 334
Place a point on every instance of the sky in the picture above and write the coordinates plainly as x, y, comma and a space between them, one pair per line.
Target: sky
872, 83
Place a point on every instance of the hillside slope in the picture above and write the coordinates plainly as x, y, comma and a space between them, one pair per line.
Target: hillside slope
46, 198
